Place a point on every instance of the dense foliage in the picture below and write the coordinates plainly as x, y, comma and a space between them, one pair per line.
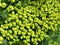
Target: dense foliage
28, 22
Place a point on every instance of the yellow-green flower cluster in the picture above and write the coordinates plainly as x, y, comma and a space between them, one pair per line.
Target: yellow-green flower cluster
3, 5
1, 39
30, 24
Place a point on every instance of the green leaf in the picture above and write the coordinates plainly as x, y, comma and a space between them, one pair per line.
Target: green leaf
3, 14
24, 2
5, 42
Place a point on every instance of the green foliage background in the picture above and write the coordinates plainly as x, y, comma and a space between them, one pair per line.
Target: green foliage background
30, 22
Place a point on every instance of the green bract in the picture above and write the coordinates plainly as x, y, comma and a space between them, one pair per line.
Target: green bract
29, 21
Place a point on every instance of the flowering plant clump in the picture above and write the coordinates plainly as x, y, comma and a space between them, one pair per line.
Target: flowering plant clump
29, 21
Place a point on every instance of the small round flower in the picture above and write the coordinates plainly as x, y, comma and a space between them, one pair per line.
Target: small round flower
0, 4
10, 8
32, 39
17, 27
29, 33
10, 31
1, 29
14, 28
11, 36
21, 37
15, 32
28, 40
10, 24
3, 35
3, 5
24, 41
19, 32
1, 38
13, 23
10, 42
13, 1
8, 20
39, 39
0, 42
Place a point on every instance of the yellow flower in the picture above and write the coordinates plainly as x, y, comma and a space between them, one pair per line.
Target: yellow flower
0, 42
10, 8
14, 23
32, 39
19, 32
0, 4
1, 38
1, 29
3, 5
13, 28
13, 1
